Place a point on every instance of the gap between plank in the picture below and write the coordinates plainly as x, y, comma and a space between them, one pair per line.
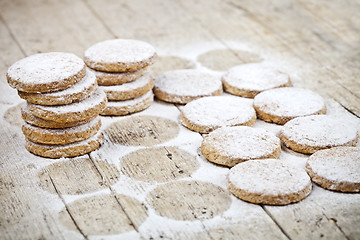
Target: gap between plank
274, 220
67, 209
99, 18
103, 176
335, 222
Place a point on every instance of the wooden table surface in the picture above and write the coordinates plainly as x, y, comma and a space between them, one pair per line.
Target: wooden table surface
149, 180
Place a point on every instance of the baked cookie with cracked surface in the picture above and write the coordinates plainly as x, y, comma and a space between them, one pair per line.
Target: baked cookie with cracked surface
67, 150
74, 112
336, 168
116, 78
185, 85
121, 108
248, 80
209, 113
312, 133
280, 105
269, 181
232, 145
129, 90
61, 136
120, 55
28, 117
46, 72
79, 91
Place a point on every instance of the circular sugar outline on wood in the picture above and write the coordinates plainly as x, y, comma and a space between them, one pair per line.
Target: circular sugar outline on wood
76, 176
160, 164
13, 115
223, 59
142, 130
189, 200
103, 215
169, 63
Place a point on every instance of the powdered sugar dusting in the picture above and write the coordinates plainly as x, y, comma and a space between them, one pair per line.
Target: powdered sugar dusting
88, 81
91, 102
70, 130
289, 102
120, 51
129, 86
188, 82
268, 176
255, 77
130, 102
242, 142
219, 111
338, 164
46, 68
319, 130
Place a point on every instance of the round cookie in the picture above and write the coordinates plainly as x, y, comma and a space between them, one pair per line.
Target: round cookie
129, 90
185, 85
119, 55
78, 111
28, 117
61, 136
280, 105
312, 133
209, 113
248, 80
67, 150
336, 169
114, 78
46, 72
269, 181
121, 108
232, 145
79, 91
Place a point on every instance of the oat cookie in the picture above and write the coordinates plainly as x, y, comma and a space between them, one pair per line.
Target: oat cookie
121, 108
28, 117
114, 78
46, 72
61, 136
185, 85
79, 91
78, 111
248, 80
129, 90
232, 145
120, 55
280, 105
269, 181
209, 113
67, 150
336, 169
312, 133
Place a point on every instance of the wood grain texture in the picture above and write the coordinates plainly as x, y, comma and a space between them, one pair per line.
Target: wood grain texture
110, 192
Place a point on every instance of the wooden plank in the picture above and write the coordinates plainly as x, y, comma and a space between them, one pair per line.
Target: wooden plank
43, 26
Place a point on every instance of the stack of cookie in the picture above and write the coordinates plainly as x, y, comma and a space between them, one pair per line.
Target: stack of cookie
63, 104
120, 69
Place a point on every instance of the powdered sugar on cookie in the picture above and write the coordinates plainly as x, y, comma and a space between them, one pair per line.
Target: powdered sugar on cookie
118, 55
210, 113
268, 177
289, 102
255, 77
77, 92
340, 164
232, 145
44, 68
130, 86
319, 131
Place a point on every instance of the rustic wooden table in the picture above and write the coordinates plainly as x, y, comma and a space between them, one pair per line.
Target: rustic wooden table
149, 180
